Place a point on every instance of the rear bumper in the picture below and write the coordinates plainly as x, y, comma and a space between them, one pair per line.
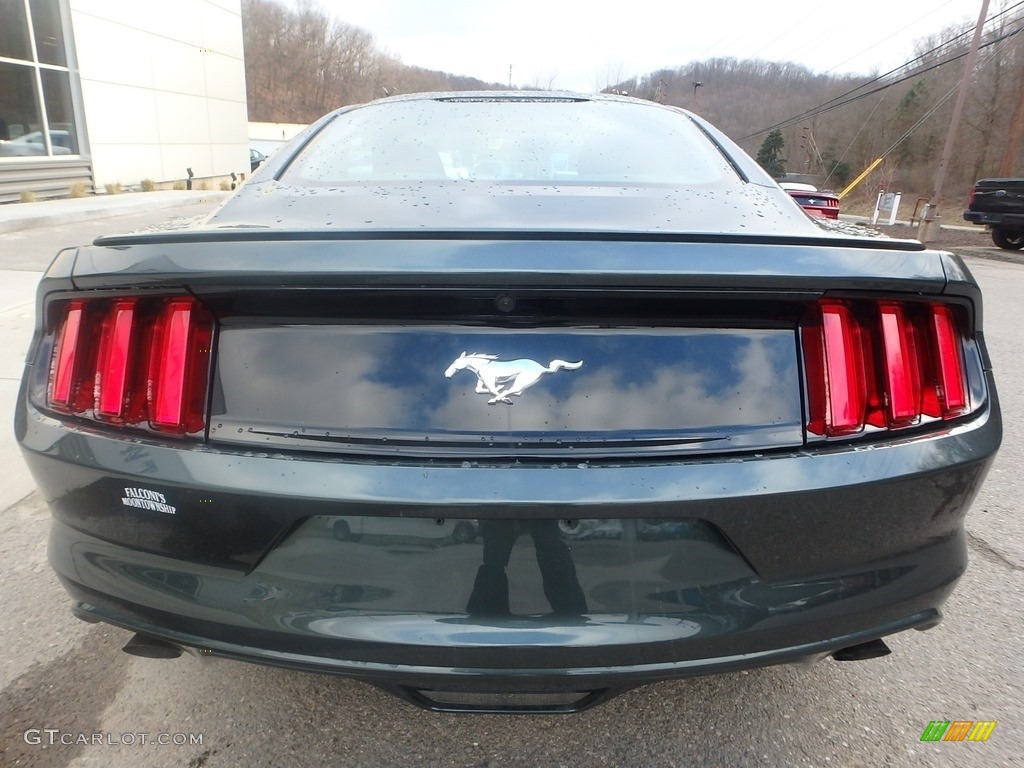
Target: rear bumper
552, 683
759, 560
1009, 220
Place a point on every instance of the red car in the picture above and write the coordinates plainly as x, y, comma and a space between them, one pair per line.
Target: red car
816, 203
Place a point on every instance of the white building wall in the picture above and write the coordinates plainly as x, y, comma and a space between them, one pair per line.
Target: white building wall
163, 87
269, 137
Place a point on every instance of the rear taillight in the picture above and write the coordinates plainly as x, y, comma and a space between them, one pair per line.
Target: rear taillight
844, 370
900, 366
949, 373
68, 390
115, 396
883, 364
133, 362
178, 363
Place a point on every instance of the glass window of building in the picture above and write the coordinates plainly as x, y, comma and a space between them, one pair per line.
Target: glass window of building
14, 31
49, 33
37, 115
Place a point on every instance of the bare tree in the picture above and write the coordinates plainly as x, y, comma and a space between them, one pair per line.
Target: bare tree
300, 63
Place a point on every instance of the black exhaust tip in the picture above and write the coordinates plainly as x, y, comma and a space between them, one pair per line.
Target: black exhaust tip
872, 649
83, 612
150, 648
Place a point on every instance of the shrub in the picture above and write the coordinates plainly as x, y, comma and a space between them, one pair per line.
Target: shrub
28, 196
179, 185
113, 189
78, 189
148, 185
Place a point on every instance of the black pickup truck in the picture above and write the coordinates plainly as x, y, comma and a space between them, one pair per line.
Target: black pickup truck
999, 204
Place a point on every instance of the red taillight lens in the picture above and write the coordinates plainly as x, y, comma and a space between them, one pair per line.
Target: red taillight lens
844, 370
901, 367
178, 367
65, 389
952, 391
112, 392
883, 364
134, 361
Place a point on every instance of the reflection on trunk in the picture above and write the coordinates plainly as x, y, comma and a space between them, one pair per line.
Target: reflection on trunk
558, 573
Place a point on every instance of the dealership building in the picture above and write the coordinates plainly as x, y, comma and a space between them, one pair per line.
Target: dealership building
98, 92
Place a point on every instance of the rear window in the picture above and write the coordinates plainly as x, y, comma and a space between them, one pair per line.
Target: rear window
547, 141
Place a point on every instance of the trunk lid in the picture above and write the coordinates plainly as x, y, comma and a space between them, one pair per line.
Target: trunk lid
459, 389
464, 346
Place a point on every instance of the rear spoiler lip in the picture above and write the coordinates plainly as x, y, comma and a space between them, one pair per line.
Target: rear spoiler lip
543, 260
260, 233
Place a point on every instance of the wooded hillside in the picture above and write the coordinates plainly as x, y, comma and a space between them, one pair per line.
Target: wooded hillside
834, 127
300, 64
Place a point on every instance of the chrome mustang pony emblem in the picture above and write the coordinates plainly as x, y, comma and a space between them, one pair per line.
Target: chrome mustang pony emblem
504, 378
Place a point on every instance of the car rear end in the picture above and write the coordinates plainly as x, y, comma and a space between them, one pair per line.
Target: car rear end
824, 205
998, 202
766, 454
509, 444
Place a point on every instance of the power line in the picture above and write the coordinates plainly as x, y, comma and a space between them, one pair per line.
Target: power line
917, 73
855, 137
945, 44
899, 31
934, 108
839, 101
921, 122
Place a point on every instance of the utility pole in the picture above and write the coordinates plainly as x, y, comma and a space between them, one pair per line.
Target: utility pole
929, 227
659, 92
1008, 163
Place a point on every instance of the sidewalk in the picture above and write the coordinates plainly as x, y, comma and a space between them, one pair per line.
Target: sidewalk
48, 213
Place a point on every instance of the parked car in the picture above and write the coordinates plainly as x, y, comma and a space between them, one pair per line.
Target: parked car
31, 144
690, 429
255, 158
999, 205
812, 200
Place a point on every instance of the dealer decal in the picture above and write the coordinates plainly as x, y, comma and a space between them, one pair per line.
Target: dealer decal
143, 498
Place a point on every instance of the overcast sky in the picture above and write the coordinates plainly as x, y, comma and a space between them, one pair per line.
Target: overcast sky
586, 46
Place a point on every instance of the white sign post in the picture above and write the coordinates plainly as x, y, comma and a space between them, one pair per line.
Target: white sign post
887, 202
